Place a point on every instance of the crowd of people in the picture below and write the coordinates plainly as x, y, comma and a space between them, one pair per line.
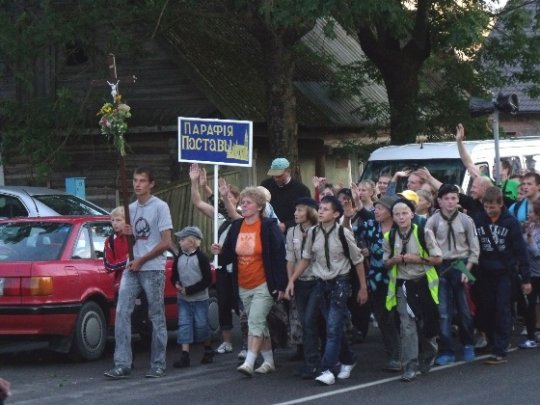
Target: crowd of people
422, 263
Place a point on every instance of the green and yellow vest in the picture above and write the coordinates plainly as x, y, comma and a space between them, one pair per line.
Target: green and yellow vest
431, 274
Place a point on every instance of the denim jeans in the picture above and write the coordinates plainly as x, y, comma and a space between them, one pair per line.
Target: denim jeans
192, 321
308, 305
334, 296
452, 295
131, 285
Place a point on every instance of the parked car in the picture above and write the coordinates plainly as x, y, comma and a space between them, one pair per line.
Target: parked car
54, 287
23, 201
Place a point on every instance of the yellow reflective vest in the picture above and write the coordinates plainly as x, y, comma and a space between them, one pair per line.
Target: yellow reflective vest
431, 274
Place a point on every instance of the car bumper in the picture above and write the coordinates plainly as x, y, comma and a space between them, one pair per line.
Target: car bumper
38, 320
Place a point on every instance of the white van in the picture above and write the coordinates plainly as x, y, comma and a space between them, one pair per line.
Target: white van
443, 161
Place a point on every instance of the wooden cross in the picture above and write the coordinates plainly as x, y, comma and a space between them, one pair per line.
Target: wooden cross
114, 82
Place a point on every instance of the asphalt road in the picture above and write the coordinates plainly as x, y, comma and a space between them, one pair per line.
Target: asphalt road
39, 377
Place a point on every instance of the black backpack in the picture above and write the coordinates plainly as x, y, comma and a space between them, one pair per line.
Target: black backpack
345, 245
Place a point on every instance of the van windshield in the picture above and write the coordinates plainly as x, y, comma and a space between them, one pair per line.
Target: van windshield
450, 171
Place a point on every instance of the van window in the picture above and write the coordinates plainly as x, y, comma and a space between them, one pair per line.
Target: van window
445, 170
532, 162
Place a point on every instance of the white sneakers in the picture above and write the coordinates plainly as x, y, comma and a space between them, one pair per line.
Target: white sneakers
224, 348
245, 369
326, 378
265, 368
345, 371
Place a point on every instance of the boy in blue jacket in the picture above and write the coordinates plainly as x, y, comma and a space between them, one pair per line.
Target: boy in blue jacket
502, 248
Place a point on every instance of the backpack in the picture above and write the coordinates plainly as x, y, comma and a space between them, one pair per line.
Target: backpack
345, 245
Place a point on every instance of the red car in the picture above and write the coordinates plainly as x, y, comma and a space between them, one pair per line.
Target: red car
54, 287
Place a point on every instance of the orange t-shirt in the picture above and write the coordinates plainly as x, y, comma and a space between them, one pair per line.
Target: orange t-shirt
249, 252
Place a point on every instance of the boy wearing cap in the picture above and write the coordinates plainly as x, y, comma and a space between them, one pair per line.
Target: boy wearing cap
413, 288
455, 233
284, 190
324, 251
306, 302
191, 276
373, 230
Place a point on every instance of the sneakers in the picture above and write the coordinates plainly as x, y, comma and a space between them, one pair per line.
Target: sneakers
223, 348
481, 342
117, 373
156, 372
245, 369
326, 378
468, 353
242, 354
183, 361
408, 375
445, 359
528, 344
265, 368
345, 371
494, 360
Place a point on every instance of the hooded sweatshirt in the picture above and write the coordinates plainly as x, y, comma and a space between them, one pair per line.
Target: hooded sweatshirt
509, 250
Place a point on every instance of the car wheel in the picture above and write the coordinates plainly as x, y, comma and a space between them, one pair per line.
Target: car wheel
213, 314
90, 334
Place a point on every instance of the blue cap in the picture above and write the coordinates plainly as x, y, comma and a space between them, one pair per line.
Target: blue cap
279, 165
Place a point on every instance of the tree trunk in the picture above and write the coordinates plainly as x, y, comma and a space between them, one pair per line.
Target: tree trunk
281, 103
402, 88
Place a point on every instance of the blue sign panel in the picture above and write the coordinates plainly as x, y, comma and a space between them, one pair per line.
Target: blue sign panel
221, 142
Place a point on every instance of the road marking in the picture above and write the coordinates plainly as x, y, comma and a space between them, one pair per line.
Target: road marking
373, 383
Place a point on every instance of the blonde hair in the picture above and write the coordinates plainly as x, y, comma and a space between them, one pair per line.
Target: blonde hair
426, 195
256, 195
118, 212
370, 185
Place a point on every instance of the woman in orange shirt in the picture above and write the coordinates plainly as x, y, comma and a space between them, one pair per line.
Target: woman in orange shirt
256, 248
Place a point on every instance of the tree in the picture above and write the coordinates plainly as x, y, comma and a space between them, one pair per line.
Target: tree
42, 116
425, 54
277, 28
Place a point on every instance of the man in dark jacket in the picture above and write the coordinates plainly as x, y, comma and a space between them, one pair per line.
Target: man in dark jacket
502, 248
284, 190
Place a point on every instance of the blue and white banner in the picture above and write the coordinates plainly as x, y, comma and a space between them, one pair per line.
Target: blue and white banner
212, 141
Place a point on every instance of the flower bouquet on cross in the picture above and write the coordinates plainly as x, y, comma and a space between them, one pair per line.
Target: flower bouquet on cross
113, 122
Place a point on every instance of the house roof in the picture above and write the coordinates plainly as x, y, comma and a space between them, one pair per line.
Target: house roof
233, 77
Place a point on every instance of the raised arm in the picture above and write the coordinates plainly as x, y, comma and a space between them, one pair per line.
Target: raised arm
202, 206
464, 154
224, 191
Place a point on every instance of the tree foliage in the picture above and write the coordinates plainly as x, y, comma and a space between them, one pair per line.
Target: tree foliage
35, 35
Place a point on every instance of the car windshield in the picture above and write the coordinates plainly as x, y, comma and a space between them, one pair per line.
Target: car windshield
32, 241
449, 171
66, 204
